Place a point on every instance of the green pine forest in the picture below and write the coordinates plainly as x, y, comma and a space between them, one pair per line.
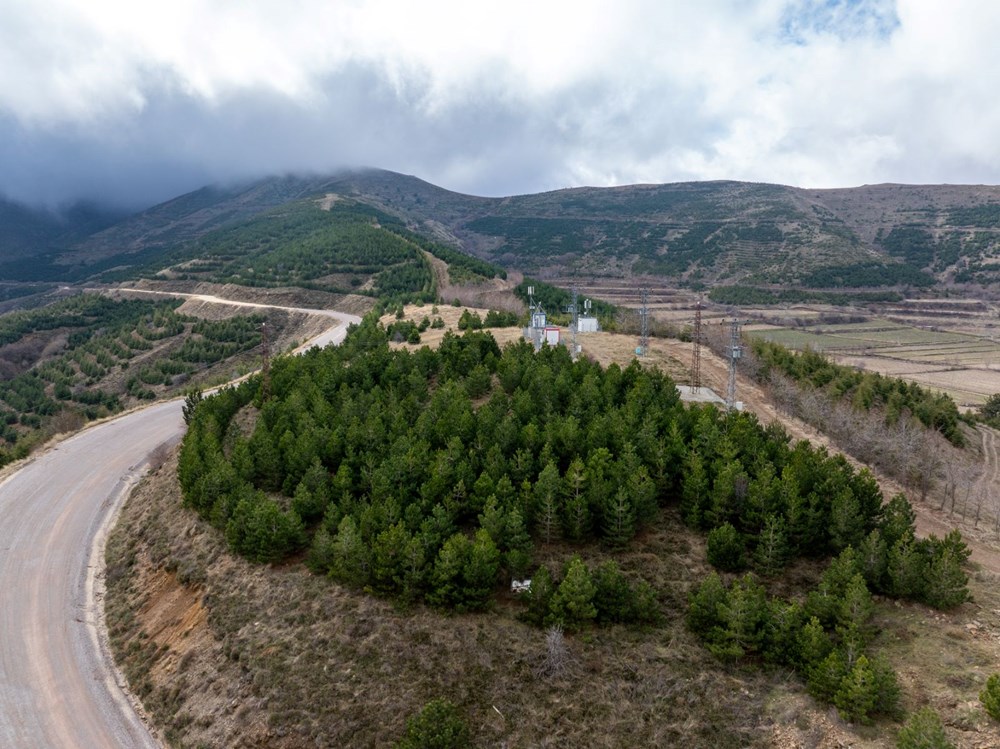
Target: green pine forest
433, 476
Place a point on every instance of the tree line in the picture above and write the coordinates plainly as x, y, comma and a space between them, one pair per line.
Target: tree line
898, 398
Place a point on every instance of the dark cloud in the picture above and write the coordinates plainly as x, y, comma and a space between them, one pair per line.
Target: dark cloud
133, 108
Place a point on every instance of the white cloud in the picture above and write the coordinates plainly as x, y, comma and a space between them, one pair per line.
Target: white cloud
515, 95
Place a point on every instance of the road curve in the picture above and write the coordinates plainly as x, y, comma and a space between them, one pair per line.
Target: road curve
56, 687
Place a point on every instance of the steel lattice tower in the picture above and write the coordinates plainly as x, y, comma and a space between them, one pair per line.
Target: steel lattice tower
644, 324
575, 309
735, 352
696, 350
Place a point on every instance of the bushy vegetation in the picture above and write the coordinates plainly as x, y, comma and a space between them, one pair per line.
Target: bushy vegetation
462, 268
752, 295
494, 319
866, 390
556, 301
301, 244
378, 463
103, 337
439, 725
990, 696
826, 638
866, 274
923, 730
581, 597
381, 465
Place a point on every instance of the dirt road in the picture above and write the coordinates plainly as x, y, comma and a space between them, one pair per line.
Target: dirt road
56, 687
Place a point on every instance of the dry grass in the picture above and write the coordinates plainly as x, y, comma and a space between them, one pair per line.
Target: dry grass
229, 654
225, 653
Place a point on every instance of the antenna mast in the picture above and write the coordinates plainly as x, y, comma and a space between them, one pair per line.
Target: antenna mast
265, 367
644, 324
735, 353
696, 349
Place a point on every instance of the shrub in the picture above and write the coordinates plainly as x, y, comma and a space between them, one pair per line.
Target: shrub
990, 696
725, 548
923, 731
572, 605
439, 725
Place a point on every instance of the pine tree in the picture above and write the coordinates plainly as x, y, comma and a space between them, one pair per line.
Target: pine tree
260, 531
813, 646
576, 510
990, 696
923, 731
855, 611
724, 547
907, 569
772, 547
945, 584
898, 520
785, 624
480, 574
613, 595
413, 570
824, 678
728, 494
518, 555
642, 492
493, 519
572, 605
744, 620
694, 490
761, 497
388, 562
619, 519
447, 578
846, 522
439, 725
546, 502
539, 596
857, 694
873, 558
351, 559
704, 616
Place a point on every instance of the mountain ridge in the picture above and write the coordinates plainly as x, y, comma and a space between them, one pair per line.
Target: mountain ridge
699, 234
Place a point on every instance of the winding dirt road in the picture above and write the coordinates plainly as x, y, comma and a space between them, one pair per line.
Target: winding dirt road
57, 688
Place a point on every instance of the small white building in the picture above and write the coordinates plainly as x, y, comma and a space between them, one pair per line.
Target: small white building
551, 335
587, 325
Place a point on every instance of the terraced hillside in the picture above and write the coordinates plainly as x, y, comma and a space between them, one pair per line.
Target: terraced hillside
767, 238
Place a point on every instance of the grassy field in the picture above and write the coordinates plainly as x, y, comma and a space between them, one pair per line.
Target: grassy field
962, 365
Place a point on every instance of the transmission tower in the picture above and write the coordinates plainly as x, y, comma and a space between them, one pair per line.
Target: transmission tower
644, 324
575, 310
696, 350
735, 353
265, 367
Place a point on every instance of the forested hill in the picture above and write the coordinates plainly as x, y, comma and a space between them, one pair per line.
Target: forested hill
697, 233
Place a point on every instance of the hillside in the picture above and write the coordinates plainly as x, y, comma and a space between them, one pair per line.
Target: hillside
226, 653
696, 234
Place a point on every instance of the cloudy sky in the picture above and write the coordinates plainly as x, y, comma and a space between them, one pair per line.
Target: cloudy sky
135, 101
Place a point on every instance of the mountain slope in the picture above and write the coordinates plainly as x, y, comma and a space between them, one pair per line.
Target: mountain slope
698, 234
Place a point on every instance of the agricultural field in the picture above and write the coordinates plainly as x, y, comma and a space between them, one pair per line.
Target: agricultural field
964, 365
